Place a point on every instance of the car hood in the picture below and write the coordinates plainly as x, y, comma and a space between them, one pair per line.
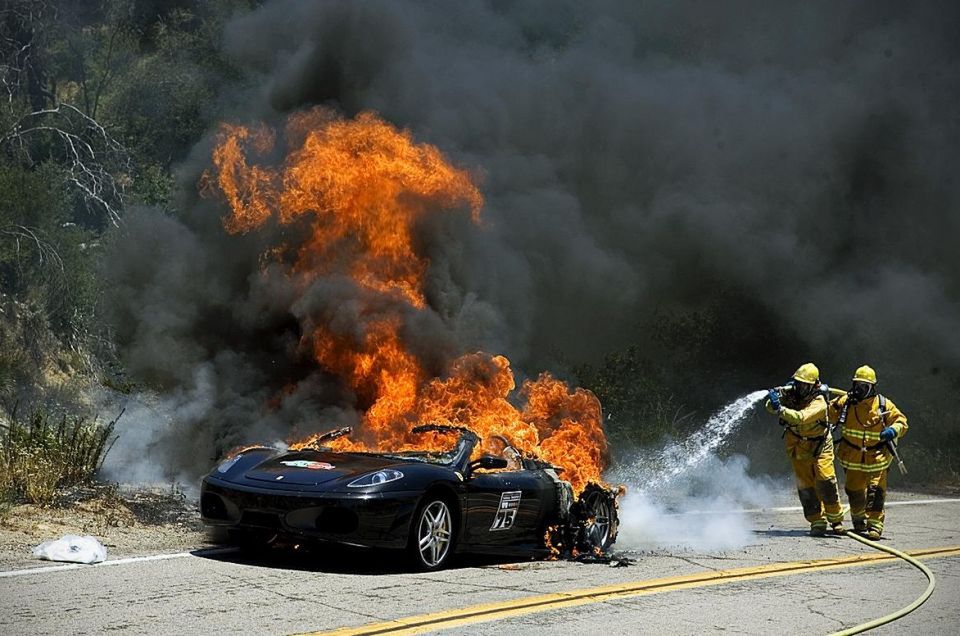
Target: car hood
311, 468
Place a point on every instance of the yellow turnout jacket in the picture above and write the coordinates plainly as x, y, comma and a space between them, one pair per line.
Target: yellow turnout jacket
860, 446
805, 434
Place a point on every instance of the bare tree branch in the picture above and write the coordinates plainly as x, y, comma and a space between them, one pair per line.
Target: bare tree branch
45, 250
94, 160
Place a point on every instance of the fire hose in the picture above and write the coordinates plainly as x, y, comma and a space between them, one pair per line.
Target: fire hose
931, 579
889, 618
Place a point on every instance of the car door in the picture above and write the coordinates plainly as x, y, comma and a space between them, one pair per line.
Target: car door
505, 508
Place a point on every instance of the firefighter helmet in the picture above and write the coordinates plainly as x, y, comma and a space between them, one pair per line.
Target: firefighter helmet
865, 374
808, 373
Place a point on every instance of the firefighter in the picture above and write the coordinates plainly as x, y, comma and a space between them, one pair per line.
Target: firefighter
868, 421
802, 409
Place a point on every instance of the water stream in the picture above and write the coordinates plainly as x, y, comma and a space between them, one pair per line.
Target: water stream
668, 489
661, 467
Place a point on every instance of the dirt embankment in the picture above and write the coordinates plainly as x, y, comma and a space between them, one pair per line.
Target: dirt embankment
128, 521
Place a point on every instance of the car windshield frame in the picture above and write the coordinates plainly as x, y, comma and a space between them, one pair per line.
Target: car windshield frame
455, 457
444, 458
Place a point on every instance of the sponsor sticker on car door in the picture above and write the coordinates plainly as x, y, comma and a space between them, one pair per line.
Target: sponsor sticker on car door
507, 510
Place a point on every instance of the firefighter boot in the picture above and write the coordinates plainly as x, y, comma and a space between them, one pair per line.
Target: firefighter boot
818, 528
836, 521
876, 496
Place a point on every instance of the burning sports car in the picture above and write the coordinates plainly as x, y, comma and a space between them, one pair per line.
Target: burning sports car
431, 504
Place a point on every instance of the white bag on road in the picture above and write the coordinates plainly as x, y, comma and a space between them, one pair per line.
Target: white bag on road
72, 549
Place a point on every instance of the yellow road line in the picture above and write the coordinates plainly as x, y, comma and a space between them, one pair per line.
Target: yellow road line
422, 623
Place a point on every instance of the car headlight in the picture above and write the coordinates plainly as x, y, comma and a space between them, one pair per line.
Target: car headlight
228, 463
375, 479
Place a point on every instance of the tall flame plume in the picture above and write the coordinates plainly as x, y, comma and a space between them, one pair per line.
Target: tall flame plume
359, 187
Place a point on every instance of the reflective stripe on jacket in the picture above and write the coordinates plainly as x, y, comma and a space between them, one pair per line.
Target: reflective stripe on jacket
860, 447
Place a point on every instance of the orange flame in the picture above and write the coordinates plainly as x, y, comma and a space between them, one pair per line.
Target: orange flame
359, 186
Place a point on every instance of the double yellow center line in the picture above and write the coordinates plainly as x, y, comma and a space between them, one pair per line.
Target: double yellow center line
532, 604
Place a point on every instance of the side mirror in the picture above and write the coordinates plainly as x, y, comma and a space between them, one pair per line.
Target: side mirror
488, 462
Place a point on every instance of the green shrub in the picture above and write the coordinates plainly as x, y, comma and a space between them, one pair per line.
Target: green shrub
40, 454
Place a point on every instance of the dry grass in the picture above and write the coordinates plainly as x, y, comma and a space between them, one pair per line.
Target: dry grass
40, 455
128, 521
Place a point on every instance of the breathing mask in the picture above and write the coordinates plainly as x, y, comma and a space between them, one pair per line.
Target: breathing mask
804, 390
861, 390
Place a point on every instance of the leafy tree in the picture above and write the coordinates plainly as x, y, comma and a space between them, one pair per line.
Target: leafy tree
102, 99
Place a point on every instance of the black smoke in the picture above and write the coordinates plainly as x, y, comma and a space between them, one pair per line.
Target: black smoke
787, 168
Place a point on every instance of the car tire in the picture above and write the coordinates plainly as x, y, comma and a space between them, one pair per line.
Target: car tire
602, 521
433, 534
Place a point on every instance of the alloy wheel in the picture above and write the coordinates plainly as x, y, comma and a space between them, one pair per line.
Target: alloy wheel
599, 530
435, 533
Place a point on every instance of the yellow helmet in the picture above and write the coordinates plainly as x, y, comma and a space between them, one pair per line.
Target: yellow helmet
865, 374
808, 373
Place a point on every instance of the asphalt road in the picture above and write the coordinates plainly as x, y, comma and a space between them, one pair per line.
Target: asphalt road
747, 590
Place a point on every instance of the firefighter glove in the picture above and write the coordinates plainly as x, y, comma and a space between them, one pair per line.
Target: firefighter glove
887, 434
774, 398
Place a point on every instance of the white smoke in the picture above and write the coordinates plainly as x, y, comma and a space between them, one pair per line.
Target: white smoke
147, 421
684, 496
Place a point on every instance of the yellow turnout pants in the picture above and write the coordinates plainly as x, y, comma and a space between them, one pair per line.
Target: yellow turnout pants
817, 488
867, 493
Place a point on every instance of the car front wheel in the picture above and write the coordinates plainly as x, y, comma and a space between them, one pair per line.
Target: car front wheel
432, 534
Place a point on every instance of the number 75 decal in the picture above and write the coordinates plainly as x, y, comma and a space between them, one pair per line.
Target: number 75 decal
507, 511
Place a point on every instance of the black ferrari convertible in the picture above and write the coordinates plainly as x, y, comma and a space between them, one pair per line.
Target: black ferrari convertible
431, 504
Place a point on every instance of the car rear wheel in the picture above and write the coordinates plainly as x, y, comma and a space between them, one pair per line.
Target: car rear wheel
601, 525
432, 534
